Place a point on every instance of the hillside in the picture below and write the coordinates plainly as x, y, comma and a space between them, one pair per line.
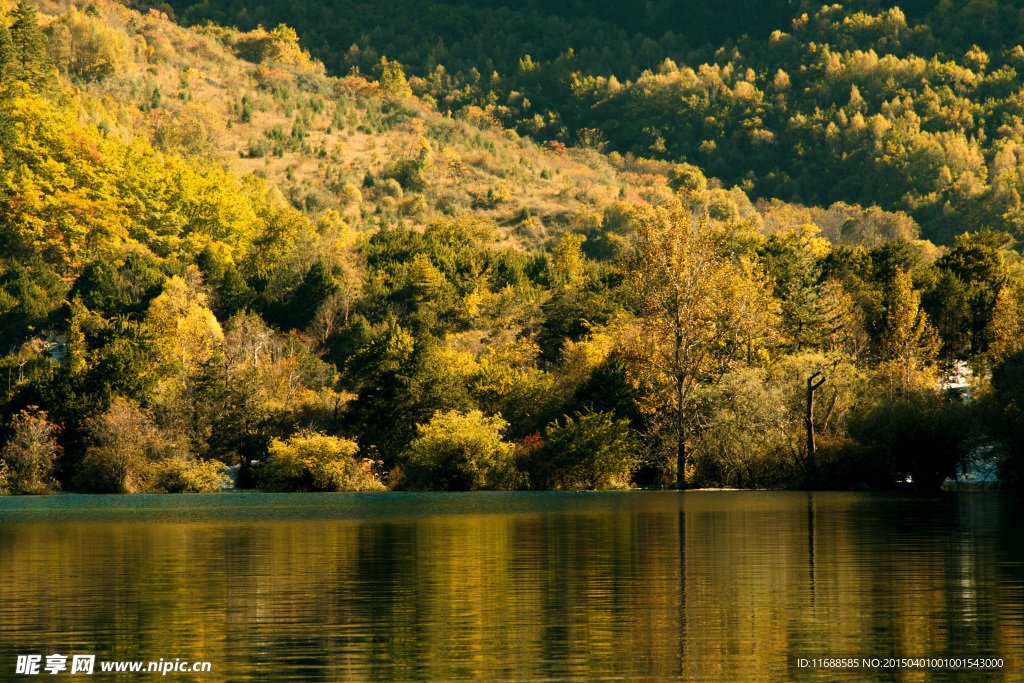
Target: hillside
216, 252
914, 107
278, 117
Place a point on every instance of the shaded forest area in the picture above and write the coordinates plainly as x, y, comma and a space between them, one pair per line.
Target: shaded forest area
215, 253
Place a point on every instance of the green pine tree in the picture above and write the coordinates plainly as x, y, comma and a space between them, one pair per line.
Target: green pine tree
6, 65
6, 51
812, 313
31, 63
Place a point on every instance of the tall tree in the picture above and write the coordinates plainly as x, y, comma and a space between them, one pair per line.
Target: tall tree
402, 381
694, 297
977, 261
31, 63
1006, 327
813, 314
6, 51
909, 342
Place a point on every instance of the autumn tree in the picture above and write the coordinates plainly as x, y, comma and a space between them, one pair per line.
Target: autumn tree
392, 80
909, 343
30, 455
701, 309
229, 406
125, 446
567, 264
687, 178
1006, 331
188, 332
86, 47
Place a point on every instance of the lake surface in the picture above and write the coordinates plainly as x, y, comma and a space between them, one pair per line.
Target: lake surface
703, 586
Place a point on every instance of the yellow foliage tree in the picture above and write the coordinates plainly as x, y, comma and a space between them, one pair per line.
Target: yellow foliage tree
392, 80
86, 47
189, 333
70, 195
567, 259
125, 446
702, 310
60, 201
909, 342
1007, 326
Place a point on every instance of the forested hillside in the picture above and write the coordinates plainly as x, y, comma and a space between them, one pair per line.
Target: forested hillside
216, 249
912, 108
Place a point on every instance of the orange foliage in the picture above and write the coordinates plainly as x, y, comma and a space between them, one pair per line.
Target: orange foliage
556, 147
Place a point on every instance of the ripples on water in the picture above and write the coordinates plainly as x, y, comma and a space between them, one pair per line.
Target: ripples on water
730, 586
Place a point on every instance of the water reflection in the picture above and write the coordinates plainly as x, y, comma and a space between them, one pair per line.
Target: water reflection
696, 586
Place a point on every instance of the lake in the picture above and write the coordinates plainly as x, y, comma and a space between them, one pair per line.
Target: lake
703, 586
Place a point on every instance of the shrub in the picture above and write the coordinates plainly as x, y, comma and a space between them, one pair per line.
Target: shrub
390, 188
349, 194
409, 172
1004, 411
190, 476
458, 451
316, 462
499, 194
27, 459
920, 437
592, 451
125, 447
258, 148
747, 436
453, 202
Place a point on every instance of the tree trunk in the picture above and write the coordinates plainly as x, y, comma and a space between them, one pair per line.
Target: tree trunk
812, 465
681, 439
681, 464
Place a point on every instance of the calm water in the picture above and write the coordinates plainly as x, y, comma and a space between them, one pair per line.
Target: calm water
717, 586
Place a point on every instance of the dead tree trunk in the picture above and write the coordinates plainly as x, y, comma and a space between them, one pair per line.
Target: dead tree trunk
812, 465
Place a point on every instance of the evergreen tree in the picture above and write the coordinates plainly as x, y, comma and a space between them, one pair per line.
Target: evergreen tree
6, 66
812, 312
316, 287
402, 381
6, 51
31, 64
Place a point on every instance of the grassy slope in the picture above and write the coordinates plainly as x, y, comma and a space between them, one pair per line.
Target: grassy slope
531, 192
